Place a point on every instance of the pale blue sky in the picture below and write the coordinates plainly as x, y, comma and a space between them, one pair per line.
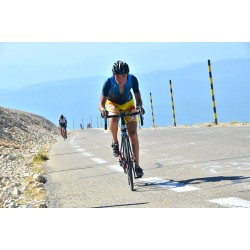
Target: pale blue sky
57, 37
29, 63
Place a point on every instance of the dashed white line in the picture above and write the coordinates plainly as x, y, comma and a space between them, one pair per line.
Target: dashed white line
87, 154
98, 160
81, 149
116, 168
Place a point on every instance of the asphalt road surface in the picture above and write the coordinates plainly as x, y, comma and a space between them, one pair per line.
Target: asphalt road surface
206, 167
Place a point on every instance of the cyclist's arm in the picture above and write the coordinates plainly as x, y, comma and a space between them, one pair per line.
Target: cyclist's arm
138, 99
103, 100
135, 86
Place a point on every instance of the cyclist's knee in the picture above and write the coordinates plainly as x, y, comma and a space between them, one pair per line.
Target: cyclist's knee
132, 133
114, 121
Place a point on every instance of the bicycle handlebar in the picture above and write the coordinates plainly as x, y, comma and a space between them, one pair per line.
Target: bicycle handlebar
122, 115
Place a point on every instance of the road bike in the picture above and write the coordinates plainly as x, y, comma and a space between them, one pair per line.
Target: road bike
126, 157
63, 131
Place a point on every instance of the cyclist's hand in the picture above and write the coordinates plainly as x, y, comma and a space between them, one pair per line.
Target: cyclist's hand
104, 113
141, 109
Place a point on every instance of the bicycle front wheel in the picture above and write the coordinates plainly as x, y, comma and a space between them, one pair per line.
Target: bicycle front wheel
129, 162
130, 175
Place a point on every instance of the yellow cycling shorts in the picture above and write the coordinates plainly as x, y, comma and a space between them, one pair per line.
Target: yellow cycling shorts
114, 108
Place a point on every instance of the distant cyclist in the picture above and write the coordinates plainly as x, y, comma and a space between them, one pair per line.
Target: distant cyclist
62, 121
117, 96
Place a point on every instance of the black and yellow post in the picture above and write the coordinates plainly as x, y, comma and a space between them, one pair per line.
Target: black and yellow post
172, 100
212, 92
153, 120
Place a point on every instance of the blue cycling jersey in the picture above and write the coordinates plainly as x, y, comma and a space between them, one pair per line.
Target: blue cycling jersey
111, 89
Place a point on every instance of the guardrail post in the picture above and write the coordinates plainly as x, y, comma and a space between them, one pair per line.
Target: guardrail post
91, 125
97, 122
212, 92
172, 100
152, 109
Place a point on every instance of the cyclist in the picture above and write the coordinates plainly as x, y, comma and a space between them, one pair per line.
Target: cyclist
63, 124
116, 96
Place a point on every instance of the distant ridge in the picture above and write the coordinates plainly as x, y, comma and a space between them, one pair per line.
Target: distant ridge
78, 98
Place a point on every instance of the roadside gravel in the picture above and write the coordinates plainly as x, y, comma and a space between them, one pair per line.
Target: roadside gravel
23, 138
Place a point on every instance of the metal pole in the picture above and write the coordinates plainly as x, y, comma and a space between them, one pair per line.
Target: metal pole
152, 109
172, 100
212, 92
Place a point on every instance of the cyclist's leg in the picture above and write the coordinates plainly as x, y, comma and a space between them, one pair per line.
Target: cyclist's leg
61, 129
132, 131
113, 127
113, 122
65, 129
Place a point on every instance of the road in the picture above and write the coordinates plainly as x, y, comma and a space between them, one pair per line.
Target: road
205, 167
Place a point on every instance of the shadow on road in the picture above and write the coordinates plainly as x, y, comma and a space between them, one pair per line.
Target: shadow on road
78, 152
234, 179
146, 187
123, 205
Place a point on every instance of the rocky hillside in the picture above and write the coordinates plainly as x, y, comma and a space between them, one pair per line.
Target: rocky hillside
25, 139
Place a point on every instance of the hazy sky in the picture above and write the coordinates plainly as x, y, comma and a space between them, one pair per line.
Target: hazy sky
51, 40
25, 63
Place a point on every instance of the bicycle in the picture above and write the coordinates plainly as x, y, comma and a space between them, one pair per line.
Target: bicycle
63, 131
126, 157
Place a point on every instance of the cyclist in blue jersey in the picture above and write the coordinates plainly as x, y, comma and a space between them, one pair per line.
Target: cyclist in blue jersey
117, 96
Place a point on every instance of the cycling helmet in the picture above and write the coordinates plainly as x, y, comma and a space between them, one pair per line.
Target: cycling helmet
120, 68
61, 116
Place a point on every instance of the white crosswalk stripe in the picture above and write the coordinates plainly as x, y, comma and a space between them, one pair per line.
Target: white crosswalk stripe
232, 202
172, 185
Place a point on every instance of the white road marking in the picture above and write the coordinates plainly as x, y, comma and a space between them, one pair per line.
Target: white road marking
81, 149
116, 168
87, 154
232, 202
213, 171
98, 160
173, 185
